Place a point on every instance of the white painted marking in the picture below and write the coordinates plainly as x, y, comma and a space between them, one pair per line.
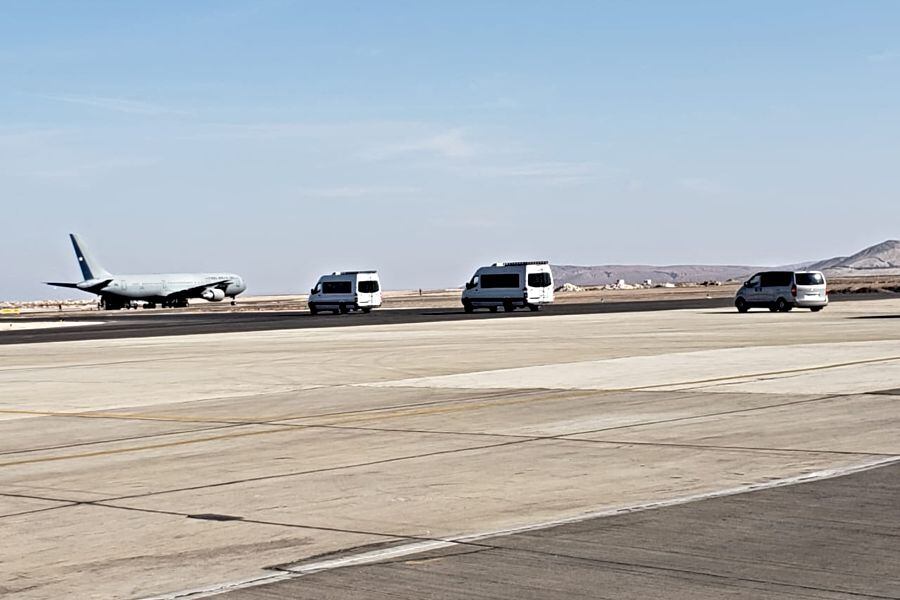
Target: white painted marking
20, 325
419, 547
820, 364
373, 556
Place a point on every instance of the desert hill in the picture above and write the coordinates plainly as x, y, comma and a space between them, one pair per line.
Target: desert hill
885, 255
878, 259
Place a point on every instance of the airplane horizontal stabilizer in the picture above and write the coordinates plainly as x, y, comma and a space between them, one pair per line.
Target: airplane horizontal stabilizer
92, 285
62, 284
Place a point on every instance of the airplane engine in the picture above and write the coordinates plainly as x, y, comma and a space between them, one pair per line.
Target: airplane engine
213, 294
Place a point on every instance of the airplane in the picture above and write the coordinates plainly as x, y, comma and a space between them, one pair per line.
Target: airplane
169, 290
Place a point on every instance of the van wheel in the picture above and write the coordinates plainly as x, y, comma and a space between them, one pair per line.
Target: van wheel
782, 306
773, 309
313, 309
493, 309
508, 307
816, 308
534, 307
741, 305
344, 309
366, 309
467, 306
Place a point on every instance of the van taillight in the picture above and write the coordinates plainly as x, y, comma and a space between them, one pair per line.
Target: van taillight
794, 290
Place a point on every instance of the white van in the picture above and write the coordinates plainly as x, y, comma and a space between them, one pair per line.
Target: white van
780, 291
510, 285
344, 291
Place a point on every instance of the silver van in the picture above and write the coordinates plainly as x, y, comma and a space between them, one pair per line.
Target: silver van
512, 285
780, 291
343, 291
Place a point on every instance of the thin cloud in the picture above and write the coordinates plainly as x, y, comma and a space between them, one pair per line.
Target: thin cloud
701, 185
23, 135
448, 144
501, 103
352, 192
122, 105
102, 166
351, 131
253, 131
884, 56
549, 172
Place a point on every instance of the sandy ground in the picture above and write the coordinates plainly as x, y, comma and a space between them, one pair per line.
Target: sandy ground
305, 442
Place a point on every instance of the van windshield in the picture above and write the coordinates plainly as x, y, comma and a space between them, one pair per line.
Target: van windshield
809, 279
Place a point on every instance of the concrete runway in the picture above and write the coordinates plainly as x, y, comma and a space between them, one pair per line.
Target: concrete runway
145, 467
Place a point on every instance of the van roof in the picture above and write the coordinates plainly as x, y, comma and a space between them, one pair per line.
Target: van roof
354, 272
520, 263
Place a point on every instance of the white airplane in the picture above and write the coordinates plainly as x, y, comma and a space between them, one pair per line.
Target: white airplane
165, 289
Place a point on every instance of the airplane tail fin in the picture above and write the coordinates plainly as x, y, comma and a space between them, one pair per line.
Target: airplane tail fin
90, 268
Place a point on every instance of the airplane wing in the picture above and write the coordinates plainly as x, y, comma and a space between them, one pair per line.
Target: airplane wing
197, 288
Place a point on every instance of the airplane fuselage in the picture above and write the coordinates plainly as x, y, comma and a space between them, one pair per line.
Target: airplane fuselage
156, 287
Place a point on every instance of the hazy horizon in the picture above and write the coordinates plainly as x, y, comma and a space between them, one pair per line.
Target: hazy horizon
281, 140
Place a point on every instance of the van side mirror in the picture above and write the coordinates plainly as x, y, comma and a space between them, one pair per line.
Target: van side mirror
469, 285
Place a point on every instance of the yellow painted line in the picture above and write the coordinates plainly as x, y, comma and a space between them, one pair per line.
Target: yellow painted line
456, 407
124, 416
112, 451
368, 415
867, 361
276, 429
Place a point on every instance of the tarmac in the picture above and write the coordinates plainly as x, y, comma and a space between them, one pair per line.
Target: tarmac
670, 453
758, 545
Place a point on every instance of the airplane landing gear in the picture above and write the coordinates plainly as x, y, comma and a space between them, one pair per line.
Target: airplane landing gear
111, 303
176, 303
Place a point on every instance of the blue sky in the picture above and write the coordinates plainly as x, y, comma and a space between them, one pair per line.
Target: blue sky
283, 139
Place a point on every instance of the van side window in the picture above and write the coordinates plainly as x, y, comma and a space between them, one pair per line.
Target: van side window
776, 279
368, 287
538, 279
500, 280
336, 287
